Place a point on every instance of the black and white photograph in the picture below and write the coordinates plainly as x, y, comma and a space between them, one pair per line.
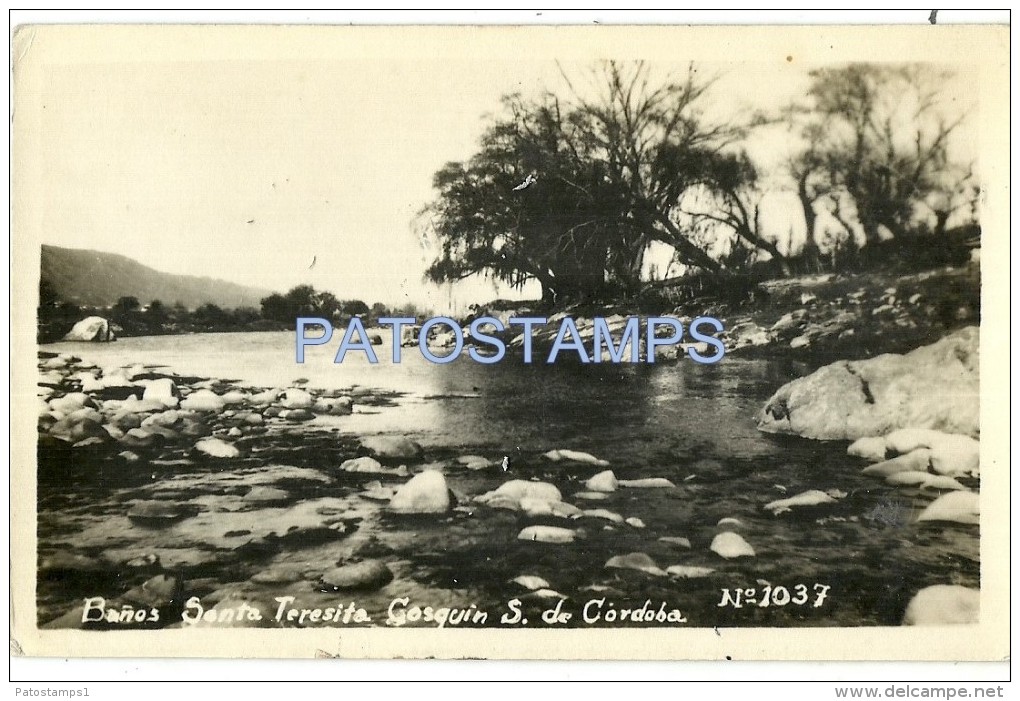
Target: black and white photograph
657, 334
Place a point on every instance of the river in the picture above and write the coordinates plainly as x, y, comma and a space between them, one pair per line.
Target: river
689, 423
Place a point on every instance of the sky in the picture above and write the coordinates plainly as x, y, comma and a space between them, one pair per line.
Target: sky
278, 164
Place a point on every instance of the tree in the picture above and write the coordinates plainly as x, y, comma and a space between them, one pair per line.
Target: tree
571, 191
277, 308
886, 140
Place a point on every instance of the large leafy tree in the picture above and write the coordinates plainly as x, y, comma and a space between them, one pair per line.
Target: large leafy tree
570, 191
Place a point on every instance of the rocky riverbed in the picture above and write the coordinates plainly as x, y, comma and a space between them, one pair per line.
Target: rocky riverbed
204, 499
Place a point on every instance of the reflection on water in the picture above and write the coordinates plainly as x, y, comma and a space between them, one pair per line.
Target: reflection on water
638, 408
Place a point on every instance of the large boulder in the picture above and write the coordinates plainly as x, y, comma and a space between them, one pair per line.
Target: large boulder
425, 493
92, 329
933, 387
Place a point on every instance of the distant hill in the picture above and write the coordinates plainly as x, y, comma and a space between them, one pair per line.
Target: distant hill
95, 278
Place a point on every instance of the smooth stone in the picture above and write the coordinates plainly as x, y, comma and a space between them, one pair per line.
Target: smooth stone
340, 406
531, 582
647, 483
163, 391
942, 483
547, 534
71, 402
128, 456
603, 514
871, 448
535, 507
234, 396
935, 386
138, 438
636, 561
547, 594
943, 604
602, 482
689, 571
392, 446
377, 492
425, 493
203, 400
914, 461
574, 456
299, 415
523, 489
266, 495
370, 574
216, 448
264, 398
296, 399
93, 329
957, 507
905, 440
372, 466
673, 540
730, 545
812, 497
635, 522
956, 456
474, 462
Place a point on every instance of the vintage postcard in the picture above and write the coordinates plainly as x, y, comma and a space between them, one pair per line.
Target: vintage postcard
607, 342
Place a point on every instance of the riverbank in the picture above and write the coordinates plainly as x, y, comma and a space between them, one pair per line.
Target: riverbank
815, 319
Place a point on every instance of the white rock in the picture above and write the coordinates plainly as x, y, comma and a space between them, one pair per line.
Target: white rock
234, 396
941, 483
812, 497
574, 456
604, 514
943, 604
914, 461
425, 493
91, 328
871, 448
531, 582
689, 571
730, 545
521, 489
392, 446
956, 455
214, 447
636, 561
602, 482
905, 440
297, 399
958, 507
70, 402
934, 387
203, 400
647, 483
163, 391
474, 462
635, 522
264, 398
547, 534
